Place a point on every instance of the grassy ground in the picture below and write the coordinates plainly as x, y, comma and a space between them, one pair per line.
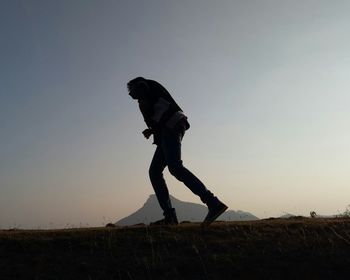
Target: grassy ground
267, 249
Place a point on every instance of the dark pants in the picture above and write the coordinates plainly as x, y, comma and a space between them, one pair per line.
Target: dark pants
168, 153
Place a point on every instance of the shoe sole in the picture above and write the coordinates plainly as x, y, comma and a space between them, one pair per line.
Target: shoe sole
207, 223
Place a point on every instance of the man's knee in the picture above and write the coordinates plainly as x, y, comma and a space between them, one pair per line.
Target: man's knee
176, 170
155, 174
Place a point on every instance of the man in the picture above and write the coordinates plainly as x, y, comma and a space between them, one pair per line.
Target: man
167, 122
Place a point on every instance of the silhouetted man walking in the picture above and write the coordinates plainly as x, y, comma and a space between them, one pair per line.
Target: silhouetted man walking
167, 122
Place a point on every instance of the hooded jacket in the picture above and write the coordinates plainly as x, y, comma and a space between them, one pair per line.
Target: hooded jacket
159, 110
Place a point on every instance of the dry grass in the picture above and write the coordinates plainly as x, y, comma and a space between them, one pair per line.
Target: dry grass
299, 248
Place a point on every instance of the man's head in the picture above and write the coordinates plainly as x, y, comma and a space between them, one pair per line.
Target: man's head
138, 88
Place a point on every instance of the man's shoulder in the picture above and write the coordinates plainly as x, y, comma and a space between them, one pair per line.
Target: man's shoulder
157, 89
153, 83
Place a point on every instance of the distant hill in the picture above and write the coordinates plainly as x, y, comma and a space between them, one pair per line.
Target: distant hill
289, 215
186, 211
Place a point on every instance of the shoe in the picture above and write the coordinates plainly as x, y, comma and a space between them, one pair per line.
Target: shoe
216, 208
169, 219
164, 222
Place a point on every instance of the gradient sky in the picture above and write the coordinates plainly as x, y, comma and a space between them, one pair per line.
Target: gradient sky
265, 85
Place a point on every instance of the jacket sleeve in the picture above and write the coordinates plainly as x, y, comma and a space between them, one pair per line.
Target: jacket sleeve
146, 110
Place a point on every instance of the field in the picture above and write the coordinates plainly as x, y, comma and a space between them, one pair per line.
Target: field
298, 248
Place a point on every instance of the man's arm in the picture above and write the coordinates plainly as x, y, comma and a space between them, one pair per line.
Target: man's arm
146, 110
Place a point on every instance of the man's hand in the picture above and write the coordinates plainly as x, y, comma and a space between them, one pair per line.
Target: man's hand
147, 132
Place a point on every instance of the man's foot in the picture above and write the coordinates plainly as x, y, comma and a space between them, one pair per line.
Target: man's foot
163, 222
111, 225
216, 208
169, 219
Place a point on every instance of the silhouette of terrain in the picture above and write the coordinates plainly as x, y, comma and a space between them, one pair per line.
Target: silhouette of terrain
186, 211
289, 215
303, 248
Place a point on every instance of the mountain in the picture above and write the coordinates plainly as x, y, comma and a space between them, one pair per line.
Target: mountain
186, 211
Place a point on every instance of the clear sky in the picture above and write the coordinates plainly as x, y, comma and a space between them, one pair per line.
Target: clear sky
265, 85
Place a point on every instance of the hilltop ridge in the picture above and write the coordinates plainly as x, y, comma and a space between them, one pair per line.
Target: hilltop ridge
186, 211
301, 248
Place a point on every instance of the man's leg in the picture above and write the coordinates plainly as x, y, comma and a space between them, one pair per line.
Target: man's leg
161, 190
171, 147
156, 176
